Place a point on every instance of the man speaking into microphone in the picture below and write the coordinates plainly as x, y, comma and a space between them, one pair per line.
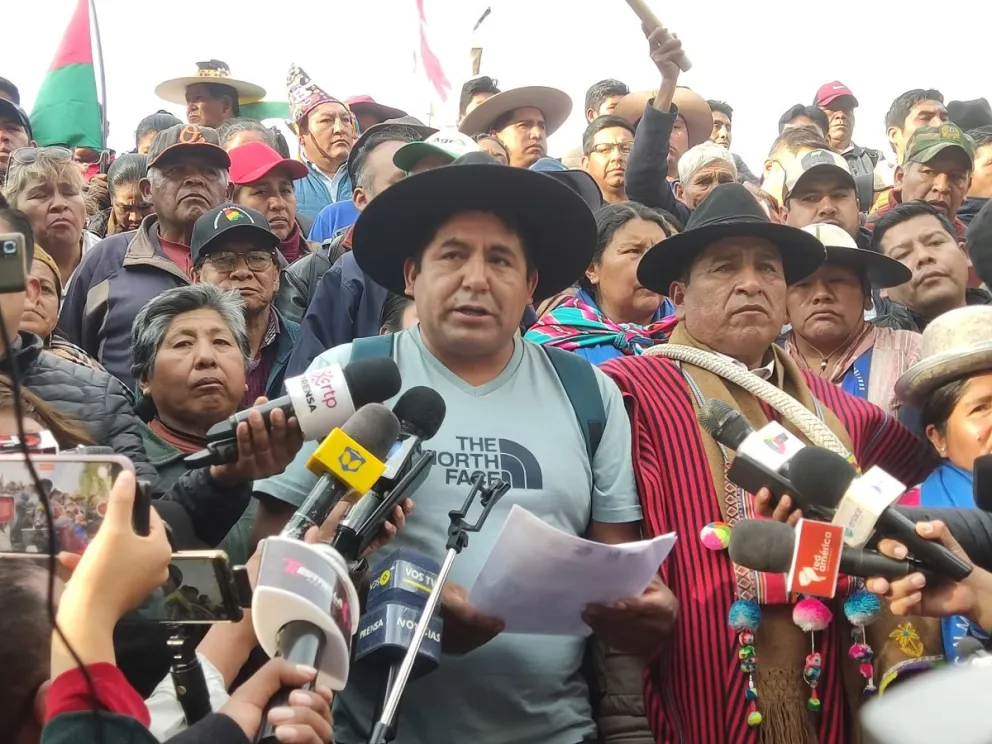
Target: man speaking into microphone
474, 243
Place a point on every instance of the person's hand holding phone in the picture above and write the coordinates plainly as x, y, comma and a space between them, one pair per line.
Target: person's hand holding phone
118, 570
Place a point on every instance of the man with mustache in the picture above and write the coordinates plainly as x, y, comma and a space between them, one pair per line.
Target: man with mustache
522, 119
605, 148
327, 131
920, 236
728, 275
838, 103
187, 176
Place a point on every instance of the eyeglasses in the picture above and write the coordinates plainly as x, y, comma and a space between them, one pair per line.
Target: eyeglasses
605, 148
28, 155
227, 261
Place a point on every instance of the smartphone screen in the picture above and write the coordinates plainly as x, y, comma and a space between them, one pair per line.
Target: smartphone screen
200, 589
78, 491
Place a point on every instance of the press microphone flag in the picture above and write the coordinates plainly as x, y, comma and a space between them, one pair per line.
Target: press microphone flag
321, 399
348, 463
305, 608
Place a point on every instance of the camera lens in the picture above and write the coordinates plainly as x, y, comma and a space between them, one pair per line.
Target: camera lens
9, 247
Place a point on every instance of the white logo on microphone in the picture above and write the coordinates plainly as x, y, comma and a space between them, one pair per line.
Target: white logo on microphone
809, 576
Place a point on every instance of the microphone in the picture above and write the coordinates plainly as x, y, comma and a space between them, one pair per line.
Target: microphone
397, 597
981, 473
421, 412
768, 546
305, 610
764, 457
321, 399
348, 460
827, 480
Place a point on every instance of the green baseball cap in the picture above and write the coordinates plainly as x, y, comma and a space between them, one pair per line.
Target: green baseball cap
926, 142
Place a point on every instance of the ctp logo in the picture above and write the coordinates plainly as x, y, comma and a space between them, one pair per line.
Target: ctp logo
351, 460
778, 442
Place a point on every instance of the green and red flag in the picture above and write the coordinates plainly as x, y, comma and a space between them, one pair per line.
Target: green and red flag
67, 110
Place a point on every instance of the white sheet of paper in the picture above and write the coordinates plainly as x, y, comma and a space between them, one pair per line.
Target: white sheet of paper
538, 579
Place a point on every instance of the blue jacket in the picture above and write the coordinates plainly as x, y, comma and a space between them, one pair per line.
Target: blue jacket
289, 334
115, 279
332, 219
346, 305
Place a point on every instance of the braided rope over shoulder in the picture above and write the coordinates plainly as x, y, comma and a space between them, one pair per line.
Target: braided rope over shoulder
807, 422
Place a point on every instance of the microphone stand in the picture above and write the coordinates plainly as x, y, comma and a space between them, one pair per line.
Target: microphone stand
383, 730
187, 676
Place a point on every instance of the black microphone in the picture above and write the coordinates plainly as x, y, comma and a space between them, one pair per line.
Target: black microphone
769, 546
826, 478
348, 462
972, 528
321, 399
421, 412
981, 473
764, 457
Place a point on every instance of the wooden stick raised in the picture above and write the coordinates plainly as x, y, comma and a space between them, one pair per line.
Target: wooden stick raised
651, 22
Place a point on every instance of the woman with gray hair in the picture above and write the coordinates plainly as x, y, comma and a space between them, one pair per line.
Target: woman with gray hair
190, 351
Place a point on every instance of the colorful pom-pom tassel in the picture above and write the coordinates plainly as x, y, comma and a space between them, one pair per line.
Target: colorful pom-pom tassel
745, 618
863, 608
812, 615
753, 716
814, 704
745, 614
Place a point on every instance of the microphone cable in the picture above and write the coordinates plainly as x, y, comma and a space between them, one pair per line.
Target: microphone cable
15, 380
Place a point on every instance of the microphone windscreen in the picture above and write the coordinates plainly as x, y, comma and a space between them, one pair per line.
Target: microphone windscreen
723, 423
762, 545
372, 380
421, 411
821, 476
982, 473
374, 427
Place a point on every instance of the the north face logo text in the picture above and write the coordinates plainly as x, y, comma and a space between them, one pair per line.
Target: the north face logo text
496, 459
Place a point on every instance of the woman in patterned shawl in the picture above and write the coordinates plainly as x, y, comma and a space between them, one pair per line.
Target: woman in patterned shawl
610, 314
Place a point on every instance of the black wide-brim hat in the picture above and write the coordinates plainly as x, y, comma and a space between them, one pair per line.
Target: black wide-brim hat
556, 225
729, 211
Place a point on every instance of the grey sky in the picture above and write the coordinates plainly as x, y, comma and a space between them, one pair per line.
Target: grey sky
761, 60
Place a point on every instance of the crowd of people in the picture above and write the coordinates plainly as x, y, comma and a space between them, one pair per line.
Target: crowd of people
196, 274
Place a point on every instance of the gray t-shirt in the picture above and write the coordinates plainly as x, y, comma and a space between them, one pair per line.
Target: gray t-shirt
520, 427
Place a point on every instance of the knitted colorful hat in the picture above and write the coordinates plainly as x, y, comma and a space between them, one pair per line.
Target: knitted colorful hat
304, 94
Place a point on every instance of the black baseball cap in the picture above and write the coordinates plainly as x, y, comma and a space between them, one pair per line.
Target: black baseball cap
11, 109
193, 138
226, 220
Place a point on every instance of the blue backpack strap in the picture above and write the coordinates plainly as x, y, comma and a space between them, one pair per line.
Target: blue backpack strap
579, 380
371, 347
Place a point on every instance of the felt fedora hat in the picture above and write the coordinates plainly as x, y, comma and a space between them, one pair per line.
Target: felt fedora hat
729, 211
557, 225
955, 345
212, 71
553, 103
880, 270
691, 105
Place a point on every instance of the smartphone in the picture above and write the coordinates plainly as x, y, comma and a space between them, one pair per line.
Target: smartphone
78, 488
104, 161
201, 589
13, 272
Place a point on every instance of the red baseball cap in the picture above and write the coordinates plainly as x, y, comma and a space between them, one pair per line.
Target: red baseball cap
830, 92
253, 161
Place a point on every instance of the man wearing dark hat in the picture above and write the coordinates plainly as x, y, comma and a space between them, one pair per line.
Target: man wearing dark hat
728, 274
234, 248
936, 168
838, 102
368, 113
668, 123
187, 176
15, 132
522, 119
474, 243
